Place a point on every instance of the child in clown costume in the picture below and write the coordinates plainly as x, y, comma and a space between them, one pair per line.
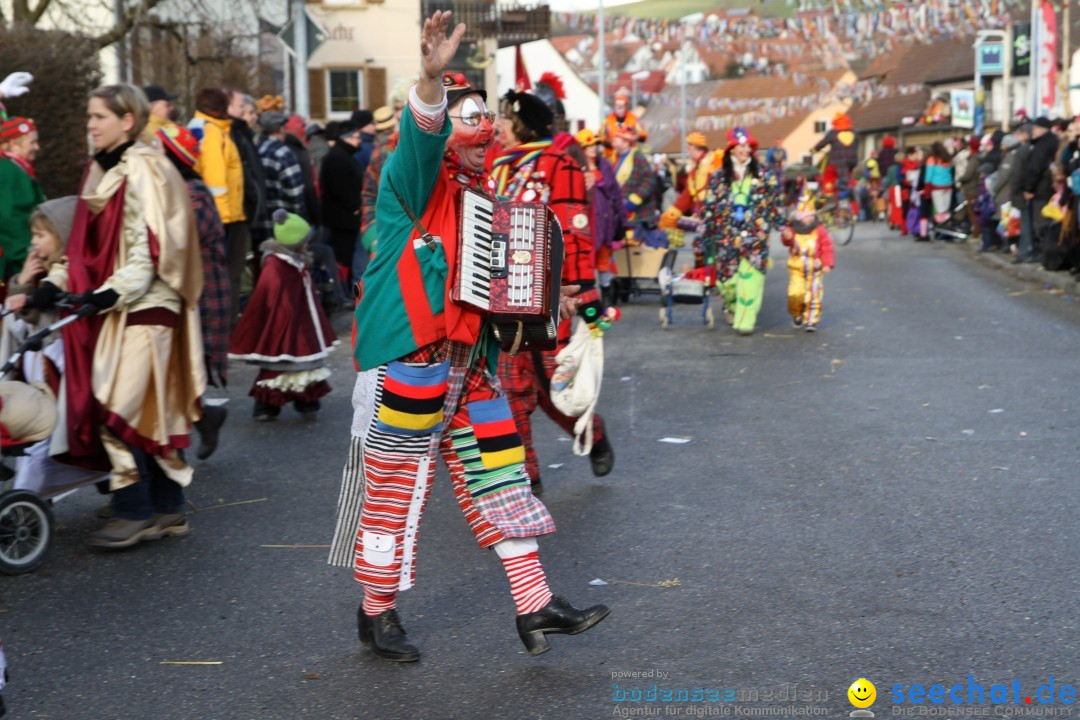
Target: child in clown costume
811, 260
741, 208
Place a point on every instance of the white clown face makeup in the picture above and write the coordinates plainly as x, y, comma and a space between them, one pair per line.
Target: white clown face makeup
473, 131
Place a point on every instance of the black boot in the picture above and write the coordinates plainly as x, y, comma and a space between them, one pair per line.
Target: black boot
385, 635
209, 427
558, 616
602, 457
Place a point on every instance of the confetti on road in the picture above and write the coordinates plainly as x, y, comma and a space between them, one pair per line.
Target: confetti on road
196, 509
555, 466
675, 440
190, 662
597, 582
997, 411
296, 547
661, 584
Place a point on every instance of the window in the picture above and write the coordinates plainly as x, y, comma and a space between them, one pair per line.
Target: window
345, 88
820, 127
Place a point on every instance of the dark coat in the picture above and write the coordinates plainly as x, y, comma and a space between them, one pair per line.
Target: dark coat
254, 176
1037, 179
1023, 154
341, 183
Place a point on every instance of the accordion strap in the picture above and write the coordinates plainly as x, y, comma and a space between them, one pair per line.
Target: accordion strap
424, 234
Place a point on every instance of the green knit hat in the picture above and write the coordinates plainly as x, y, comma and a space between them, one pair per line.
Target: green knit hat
290, 229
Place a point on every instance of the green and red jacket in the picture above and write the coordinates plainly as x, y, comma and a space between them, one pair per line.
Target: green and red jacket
405, 303
20, 193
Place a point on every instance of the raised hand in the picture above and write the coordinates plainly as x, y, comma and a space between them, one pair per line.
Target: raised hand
436, 49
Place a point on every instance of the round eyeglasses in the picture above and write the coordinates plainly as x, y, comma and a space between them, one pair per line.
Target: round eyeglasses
474, 119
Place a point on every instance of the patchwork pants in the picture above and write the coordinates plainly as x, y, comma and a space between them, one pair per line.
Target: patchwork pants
411, 400
743, 294
526, 379
806, 288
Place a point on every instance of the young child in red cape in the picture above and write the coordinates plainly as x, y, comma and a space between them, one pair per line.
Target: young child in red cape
283, 329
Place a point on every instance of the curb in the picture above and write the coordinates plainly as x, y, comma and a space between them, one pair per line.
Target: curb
1031, 272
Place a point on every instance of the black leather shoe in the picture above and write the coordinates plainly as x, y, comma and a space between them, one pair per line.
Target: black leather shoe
385, 636
602, 457
209, 427
560, 617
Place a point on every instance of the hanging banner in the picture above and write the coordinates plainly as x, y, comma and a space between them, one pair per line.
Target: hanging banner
1021, 49
1047, 59
962, 104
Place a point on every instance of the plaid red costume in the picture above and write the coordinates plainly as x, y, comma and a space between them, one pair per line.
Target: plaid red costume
554, 178
214, 302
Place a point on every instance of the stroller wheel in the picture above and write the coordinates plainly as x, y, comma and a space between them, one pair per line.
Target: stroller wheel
664, 323
26, 531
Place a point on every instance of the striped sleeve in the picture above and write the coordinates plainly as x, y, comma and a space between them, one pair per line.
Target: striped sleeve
429, 118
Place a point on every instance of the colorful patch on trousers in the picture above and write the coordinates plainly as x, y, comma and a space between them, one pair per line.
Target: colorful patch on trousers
479, 480
412, 398
496, 433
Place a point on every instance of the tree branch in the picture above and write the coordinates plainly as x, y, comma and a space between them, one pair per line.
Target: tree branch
127, 21
35, 14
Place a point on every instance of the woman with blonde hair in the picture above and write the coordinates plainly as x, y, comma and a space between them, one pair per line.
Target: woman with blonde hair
134, 371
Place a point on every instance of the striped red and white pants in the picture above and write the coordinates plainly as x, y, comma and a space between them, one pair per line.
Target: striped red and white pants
398, 471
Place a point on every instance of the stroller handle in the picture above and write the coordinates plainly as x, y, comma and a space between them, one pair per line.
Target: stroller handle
33, 341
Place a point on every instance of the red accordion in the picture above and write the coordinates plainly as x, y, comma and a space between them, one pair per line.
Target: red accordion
510, 268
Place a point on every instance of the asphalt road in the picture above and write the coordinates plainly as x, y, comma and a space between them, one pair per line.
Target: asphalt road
891, 498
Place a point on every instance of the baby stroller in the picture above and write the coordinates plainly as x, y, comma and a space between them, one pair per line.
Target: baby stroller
28, 416
953, 224
688, 288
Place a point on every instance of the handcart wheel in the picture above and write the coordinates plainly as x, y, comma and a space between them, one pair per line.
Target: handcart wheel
26, 531
664, 323
710, 321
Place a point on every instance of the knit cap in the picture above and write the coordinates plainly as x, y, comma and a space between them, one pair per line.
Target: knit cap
290, 229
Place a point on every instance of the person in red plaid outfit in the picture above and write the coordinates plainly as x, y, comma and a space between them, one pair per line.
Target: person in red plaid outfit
426, 385
181, 146
533, 169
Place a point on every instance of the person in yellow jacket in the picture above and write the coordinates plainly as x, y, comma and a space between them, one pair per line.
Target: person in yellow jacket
219, 162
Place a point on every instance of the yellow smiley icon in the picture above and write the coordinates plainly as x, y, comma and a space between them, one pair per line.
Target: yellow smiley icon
862, 693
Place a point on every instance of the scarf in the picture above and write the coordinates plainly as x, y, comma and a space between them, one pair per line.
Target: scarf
508, 169
21, 162
624, 168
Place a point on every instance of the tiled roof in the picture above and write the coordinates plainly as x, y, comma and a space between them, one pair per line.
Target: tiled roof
888, 113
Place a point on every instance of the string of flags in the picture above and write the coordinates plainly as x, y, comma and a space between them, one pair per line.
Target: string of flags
747, 112
865, 27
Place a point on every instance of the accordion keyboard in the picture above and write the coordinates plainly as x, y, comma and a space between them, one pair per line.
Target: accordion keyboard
476, 249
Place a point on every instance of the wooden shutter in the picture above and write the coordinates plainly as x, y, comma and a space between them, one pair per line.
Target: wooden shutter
317, 93
375, 79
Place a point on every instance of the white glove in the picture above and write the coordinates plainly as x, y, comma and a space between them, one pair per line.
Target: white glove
16, 84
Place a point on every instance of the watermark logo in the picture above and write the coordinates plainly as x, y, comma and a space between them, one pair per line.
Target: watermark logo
862, 694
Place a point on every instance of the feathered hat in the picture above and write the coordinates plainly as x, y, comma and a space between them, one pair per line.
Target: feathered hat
531, 110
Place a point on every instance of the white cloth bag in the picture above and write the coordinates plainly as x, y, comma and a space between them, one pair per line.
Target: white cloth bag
575, 384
